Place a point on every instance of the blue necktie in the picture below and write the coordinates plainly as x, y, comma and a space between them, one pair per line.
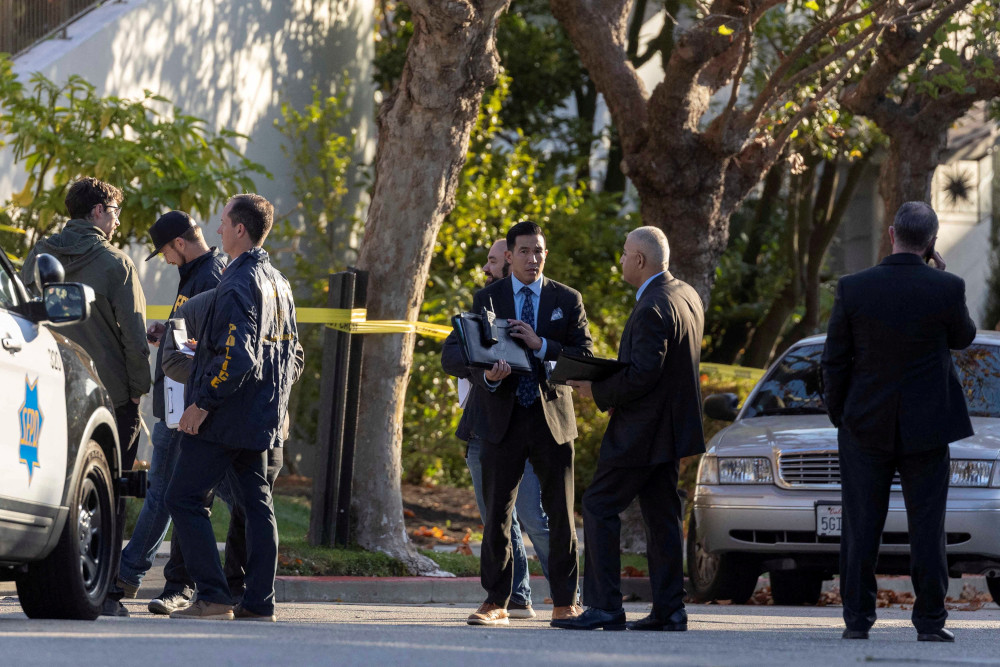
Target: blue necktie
527, 385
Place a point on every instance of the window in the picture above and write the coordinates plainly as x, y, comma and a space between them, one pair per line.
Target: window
8, 289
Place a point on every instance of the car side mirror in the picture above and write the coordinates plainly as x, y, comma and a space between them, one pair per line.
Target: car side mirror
723, 407
67, 303
48, 270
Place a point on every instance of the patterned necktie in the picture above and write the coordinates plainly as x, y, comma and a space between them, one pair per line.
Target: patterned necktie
527, 385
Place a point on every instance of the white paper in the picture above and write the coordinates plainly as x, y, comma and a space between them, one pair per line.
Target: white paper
464, 387
173, 391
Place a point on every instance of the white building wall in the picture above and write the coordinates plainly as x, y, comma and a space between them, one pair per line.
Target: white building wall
230, 62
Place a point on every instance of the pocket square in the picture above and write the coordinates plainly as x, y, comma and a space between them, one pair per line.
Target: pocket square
557, 314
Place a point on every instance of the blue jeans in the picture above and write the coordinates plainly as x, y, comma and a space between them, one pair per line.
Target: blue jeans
528, 515
151, 526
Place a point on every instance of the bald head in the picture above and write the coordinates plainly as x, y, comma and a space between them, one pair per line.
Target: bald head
646, 253
496, 266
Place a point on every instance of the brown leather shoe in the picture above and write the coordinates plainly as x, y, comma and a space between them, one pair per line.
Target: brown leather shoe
569, 611
488, 614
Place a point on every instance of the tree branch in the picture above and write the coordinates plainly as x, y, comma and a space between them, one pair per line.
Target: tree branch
901, 46
778, 86
598, 30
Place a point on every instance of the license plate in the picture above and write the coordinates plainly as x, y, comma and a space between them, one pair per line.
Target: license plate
828, 519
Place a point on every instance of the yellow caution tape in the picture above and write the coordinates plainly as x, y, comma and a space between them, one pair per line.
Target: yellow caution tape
157, 312
350, 320
330, 315
8, 228
731, 372
353, 320
438, 331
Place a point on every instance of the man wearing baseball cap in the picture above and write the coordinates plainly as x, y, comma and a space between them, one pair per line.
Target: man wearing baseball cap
177, 237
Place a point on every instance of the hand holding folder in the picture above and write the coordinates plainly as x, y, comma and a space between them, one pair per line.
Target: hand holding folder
578, 367
479, 349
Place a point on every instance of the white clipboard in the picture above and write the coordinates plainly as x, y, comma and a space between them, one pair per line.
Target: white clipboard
173, 391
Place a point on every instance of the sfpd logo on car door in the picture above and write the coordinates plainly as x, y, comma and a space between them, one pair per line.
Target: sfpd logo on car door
31, 427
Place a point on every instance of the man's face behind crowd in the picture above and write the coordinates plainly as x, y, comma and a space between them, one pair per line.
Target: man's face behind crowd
527, 258
496, 266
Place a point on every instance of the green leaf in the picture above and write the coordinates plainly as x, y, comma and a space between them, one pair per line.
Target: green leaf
725, 30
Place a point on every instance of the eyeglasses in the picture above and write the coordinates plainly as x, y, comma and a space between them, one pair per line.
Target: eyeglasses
116, 209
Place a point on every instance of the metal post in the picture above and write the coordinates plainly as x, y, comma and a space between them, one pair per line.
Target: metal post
333, 399
351, 417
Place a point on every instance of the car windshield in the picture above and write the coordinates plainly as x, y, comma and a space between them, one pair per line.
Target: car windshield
792, 386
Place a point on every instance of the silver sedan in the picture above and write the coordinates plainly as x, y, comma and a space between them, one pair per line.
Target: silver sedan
768, 492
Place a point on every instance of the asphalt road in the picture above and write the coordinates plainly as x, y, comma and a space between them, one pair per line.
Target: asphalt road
390, 635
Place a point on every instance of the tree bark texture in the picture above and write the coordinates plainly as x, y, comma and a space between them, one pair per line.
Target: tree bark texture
915, 120
424, 129
691, 177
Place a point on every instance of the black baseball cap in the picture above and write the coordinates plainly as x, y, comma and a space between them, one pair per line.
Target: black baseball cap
168, 227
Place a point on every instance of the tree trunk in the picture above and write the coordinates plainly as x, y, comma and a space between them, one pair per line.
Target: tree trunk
424, 129
906, 173
828, 213
760, 348
742, 320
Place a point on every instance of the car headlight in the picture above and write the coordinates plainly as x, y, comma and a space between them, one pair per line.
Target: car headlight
970, 473
708, 470
745, 470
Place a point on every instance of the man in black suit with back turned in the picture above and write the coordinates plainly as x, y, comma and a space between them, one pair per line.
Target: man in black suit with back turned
891, 390
524, 418
655, 401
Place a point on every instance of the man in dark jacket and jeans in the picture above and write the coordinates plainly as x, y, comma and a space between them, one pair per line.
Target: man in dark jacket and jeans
177, 237
115, 334
237, 398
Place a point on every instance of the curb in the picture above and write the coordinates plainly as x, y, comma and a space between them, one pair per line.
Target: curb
415, 590
468, 590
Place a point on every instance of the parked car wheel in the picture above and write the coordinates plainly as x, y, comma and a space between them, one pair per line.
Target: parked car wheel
796, 587
993, 583
717, 576
73, 580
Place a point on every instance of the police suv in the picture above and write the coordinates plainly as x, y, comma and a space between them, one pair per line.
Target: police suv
60, 466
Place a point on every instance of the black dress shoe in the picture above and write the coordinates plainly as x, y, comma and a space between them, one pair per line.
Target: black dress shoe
942, 635
593, 619
854, 634
675, 622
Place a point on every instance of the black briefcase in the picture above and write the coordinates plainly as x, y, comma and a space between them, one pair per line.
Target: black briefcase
485, 340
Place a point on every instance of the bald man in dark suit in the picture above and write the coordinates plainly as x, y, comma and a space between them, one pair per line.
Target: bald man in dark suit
656, 421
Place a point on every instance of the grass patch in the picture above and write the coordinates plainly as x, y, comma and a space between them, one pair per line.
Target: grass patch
297, 557
220, 519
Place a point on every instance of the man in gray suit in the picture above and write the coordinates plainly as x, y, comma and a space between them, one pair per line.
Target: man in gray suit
656, 421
